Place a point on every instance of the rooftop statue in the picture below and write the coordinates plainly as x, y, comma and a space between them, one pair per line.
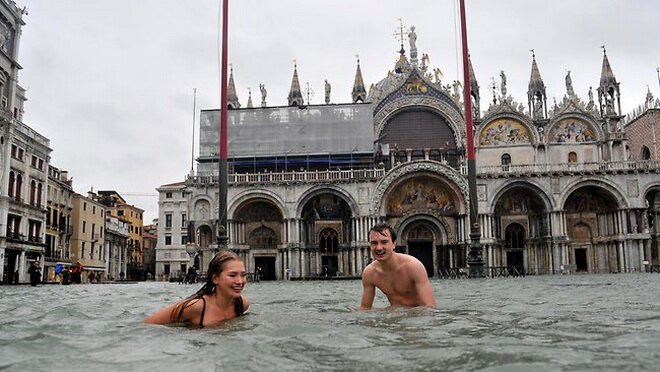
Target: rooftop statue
412, 38
327, 91
569, 85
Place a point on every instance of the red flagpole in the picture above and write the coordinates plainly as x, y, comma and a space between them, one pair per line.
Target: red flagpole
222, 153
474, 256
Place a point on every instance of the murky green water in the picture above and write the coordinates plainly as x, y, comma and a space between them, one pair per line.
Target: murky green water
546, 323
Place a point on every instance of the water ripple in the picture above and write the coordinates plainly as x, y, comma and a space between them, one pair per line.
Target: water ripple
599, 322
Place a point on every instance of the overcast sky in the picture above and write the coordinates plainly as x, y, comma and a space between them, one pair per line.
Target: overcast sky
110, 83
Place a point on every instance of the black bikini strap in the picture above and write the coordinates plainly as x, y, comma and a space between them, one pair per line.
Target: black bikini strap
201, 319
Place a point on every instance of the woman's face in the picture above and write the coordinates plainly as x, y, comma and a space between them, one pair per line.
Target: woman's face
231, 281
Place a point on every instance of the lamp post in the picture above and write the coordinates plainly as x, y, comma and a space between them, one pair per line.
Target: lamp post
474, 258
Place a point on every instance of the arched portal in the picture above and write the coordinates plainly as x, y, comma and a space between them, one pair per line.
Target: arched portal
521, 223
424, 208
259, 225
205, 236
328, 248
419, 241
592, 211
427, 238
652, 223
514, 237
327, 230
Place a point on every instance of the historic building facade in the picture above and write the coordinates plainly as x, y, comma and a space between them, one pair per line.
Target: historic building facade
558, 189
88, 239
118, 207
171, 258
24, 157
59, 228
116, 247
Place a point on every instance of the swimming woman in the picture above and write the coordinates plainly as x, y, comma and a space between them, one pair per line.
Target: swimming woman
218, 300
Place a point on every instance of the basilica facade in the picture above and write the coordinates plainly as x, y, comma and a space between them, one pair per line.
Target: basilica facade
558, 189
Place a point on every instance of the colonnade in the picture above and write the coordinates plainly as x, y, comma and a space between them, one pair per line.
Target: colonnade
621, 243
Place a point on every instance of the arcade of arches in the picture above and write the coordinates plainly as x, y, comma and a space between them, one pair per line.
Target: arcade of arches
592, 232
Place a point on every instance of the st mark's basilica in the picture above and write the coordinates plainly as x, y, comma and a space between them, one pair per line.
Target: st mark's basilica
559, 189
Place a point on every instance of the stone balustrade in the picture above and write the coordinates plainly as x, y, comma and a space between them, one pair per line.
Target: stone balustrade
351, 175
493, 171
569, 168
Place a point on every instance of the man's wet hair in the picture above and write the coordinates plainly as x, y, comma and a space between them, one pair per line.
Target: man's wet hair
381, 228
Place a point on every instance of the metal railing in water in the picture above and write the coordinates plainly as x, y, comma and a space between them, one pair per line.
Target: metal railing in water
489, 272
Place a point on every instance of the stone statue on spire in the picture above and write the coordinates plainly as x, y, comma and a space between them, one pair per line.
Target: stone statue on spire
412, 39
262, 88
569, 85
327, 92
503, 85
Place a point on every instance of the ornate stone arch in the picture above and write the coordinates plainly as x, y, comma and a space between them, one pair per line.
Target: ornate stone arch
376, 203
650, 187
196, 203
599, 182
330, 189
255, 194
514, 116
529, 184
440, 226
579, 116
444, 109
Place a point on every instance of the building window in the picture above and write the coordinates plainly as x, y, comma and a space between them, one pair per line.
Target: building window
168, 220
120, 213
168, 195
34, 161
19, 186
184, 239
572, 157
14, 151
82, 251
12, 180
41, 164
93, 209
84, 206
646, 153
166, 269
506, 161
33, 192
168, 240
84, 226
20, 154
40, 188
183, 220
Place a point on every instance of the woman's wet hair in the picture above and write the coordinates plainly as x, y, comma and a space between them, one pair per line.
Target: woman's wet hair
216, 266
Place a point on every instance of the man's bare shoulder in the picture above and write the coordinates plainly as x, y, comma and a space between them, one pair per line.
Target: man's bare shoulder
369, 271
412, 264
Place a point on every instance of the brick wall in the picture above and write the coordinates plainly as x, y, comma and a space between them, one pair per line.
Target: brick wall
640, 133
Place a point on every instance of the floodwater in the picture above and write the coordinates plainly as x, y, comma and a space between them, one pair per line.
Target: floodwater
544, 323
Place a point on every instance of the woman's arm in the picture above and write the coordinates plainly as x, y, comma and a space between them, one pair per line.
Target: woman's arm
191, 311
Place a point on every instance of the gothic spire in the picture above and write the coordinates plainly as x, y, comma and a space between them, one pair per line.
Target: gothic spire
232, 97
608, 91
249, 104
295, 94
536, 97
359, 92
606, 74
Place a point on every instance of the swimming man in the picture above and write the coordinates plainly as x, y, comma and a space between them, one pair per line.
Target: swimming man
401, 277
